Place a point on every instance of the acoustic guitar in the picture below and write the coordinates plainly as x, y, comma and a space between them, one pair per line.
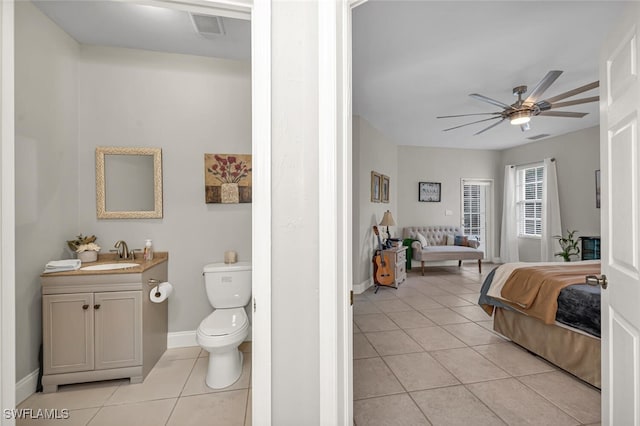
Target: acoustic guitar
384, 275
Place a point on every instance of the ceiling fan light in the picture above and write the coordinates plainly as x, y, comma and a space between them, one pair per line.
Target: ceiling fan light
520, 117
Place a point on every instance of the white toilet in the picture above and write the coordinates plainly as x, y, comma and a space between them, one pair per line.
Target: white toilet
228, 287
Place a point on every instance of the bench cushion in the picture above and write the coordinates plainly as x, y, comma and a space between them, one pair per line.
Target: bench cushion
450, 253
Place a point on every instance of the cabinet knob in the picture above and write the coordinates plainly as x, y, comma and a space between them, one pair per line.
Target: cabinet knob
96, 306
85, 307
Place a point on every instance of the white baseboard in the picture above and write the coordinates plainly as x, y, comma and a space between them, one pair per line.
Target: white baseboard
181, 339
185, 339
363, 286
26, 386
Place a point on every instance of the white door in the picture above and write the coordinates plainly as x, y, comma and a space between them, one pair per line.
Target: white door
620, 165
476, 211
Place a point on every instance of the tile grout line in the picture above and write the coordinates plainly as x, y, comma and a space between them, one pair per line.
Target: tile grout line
544, 397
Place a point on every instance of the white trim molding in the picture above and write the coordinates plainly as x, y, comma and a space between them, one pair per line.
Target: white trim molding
181, 339
259, 12
26, 386
7, 211
261, 211
335, 214
187, 339
327, 215
363, 286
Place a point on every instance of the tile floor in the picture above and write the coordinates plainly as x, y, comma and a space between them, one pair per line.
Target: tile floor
174, 393
425, 354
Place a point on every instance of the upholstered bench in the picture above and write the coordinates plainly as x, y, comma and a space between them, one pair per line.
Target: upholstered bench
439, 244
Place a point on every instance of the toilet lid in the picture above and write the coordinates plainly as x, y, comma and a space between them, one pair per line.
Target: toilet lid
224, 321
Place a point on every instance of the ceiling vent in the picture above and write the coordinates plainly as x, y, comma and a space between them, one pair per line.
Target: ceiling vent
207, 25
540, 136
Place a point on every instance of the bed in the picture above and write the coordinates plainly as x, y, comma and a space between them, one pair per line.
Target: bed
548, 309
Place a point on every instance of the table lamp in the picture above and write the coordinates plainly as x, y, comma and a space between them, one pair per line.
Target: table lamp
387, 220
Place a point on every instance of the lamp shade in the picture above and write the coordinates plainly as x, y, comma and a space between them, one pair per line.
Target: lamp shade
387, 219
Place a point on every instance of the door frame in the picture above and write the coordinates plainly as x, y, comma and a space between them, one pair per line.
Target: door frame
335, 155
7, 212
260, 15
490, 253
335, 215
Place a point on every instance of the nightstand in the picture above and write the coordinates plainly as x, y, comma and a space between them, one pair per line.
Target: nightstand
397, 258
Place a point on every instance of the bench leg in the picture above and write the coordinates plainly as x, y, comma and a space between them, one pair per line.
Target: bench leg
422, 264
459, 263
479, 266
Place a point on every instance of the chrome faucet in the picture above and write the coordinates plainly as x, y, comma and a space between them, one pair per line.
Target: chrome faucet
123, 250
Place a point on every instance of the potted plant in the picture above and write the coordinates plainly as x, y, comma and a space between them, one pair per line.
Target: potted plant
568, 245
85, 247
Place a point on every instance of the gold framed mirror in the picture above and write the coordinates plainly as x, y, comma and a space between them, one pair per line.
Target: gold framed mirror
128, 183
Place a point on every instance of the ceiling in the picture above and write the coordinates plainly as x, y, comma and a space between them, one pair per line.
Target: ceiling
415, 60
124, 24
412, 60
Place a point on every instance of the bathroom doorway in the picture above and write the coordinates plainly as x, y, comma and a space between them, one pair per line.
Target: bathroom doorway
259, 236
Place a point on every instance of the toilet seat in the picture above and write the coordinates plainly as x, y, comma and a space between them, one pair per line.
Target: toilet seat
223, 322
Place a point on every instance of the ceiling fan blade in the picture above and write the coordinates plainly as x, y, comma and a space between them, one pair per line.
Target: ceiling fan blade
489, 100
468, 124
575, 102
467, 115
542, 87
563, 114
574, 92
490, 127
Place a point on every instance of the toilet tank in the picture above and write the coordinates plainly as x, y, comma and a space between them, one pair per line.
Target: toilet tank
228, 285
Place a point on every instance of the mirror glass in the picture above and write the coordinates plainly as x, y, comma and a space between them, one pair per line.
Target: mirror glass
128, 182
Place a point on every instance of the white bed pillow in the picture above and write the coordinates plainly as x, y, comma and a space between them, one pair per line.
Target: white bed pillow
451, 239
422, 239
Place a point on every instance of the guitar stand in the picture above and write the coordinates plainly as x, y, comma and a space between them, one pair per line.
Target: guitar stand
382, 285
375, 282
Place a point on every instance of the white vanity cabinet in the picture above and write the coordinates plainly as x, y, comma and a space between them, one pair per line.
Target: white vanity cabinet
101, 326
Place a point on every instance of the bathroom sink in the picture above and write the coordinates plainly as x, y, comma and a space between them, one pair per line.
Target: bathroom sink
109, 266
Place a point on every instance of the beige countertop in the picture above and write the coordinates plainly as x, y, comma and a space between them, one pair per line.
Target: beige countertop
143, 265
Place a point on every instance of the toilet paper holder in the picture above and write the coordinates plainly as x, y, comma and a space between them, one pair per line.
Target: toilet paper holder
153, 282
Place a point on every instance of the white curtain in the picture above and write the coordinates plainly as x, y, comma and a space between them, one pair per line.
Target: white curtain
509, 234
550, 213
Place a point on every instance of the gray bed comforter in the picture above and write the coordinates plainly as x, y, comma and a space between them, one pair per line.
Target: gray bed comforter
578, 305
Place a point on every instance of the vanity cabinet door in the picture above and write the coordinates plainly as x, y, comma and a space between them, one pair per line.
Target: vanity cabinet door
118, 329
67, 333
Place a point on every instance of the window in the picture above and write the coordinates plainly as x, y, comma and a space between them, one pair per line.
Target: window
476, 210
530, 201
472, 211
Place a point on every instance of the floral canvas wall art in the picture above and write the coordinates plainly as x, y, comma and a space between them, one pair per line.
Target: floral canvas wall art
227, 178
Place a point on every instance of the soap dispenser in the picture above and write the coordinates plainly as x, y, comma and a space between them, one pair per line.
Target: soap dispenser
148, 250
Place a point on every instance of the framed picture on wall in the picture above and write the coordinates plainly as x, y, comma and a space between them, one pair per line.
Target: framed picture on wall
375, 187
429, 192
385, 189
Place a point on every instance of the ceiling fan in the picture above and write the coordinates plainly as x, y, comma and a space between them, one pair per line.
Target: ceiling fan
521, 111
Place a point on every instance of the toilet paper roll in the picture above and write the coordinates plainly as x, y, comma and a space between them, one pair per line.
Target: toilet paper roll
161, 292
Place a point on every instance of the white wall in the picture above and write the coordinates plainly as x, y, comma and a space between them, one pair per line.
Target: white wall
447, 166
371, 152
294, 284
577, 157
46, 164
72, 98
188, 106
